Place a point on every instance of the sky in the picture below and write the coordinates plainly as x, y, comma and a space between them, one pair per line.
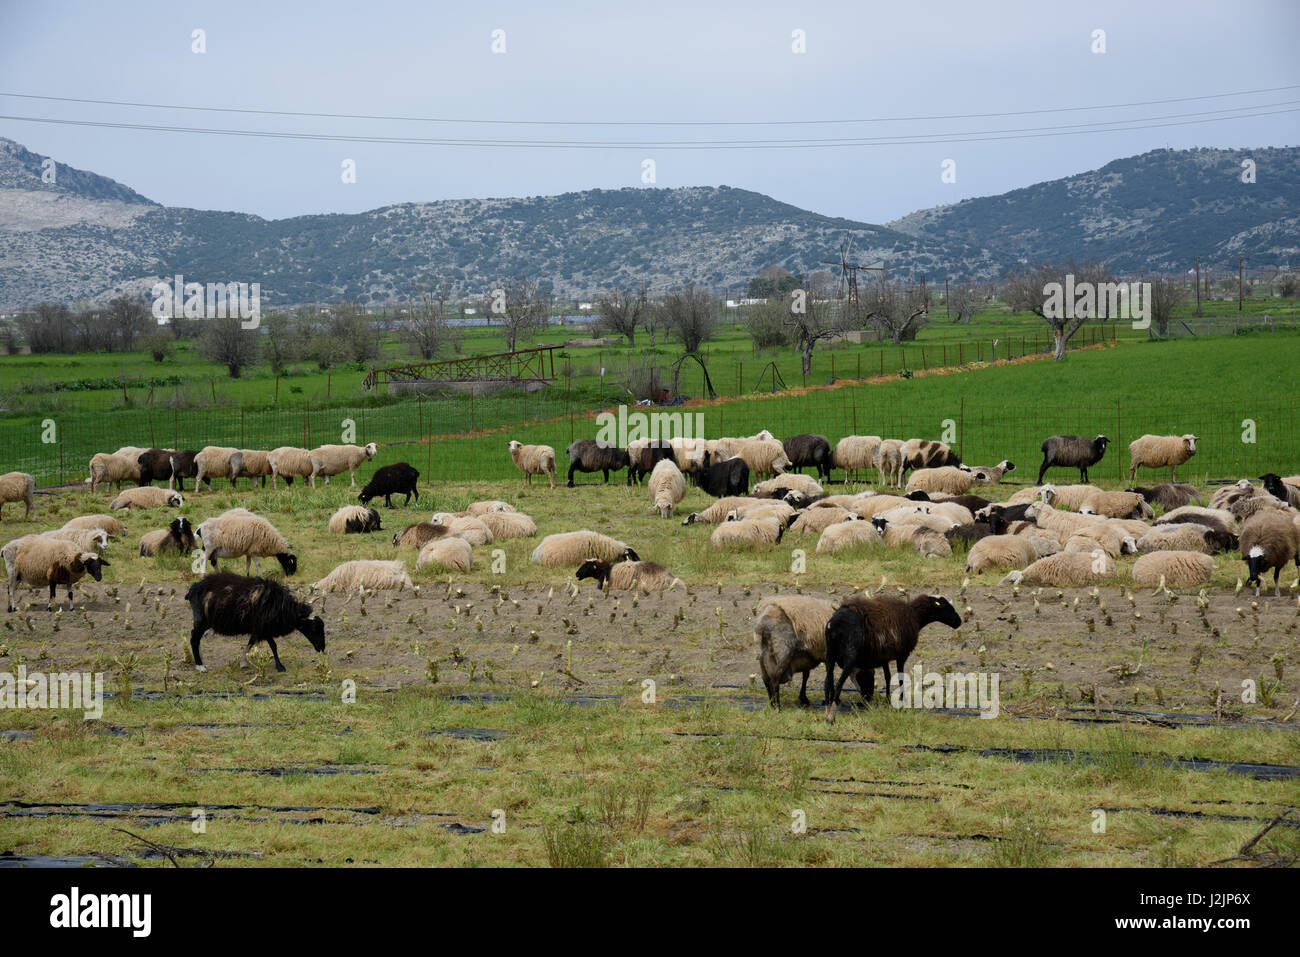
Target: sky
710, 71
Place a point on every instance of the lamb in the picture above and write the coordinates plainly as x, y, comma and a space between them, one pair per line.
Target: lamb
330, 460
788, 482
924, 454
845, 535
622, 576
36, 562
855, 453
421, 533
1072, 451
763, 456
1187, 537
370, 574
948, 479
667, 487
474, 530
239, 532
574, 548
111, 467
1273, 484
1117, 505
889, 462
263, 609
533, 460
504, 525
999, 552
864, 634
727, 478
289, 462
400, 478
1168, 495
1269, 540
354, 519
183, 466
1064, 568
213, 461
752, 532
155, 465
488, 505
176, 537
108, 523
93, 540
147, 496
1158, 451
992, 475
819, 519
18, 487
809, 449
251, 464
791, 634
452, 553
588, 455
1176, 569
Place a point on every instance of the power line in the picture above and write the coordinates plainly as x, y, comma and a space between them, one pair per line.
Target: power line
501, 122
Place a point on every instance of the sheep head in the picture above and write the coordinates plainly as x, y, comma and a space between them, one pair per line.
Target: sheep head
593, 568
371, 450
313, 629
94, 565
939, 609
288, 561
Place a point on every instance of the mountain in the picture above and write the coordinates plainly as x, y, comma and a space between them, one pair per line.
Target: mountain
87, 237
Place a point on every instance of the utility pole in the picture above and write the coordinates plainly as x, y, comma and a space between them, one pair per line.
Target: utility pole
1240, 264
1198, 285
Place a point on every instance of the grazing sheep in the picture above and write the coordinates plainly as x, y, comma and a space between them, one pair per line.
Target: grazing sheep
953, 481
996, 552
111, 467
289, 462
93, 540
729, 477
791, 634
37, 562
1159, 451
238, 532
817, 520
574, 548
155, 465
588, 455
751, 532
400, 478
473, 529
183, 465
18, 487
1168, 495
251, 464
488, 505
644, 455
623, 576
505, 525
1273, 484
1072, 451
533, 460
667, 487
147, 496
925, 454
888, 461
370, 574
763, 456
108, 523
856, 453
354, 519
330, 460
263, 609
788, 482
1175, 569
213, 461
176, 537
991, 475
1187, 537
452, 553
1064, 568
1269, 540
809, 449
421, 533
864, 634
1117, 505
847, 534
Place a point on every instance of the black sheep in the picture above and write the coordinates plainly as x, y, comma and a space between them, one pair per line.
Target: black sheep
968, 535
1274, 485
155, 466
396, 479
179, 538
1072, 451
1168, 495
1011, 513
809, 449
589, 455
728, 477
649, 456
868, 633
261, 608
183, 467
972, 502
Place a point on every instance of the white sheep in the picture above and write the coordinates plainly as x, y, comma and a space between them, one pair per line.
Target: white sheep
18, 487
1176, 569
667, 487
1068, 497
787, 482
817, 520
751, 532
330, 460
238, 532
889, 462
94, 540
473, 530
112, 467
763, 456
991, 474
213, 461
289, 462
147, 496
1000, 552
489, 505
574, 548
743, 506
1160, 451
250, 464
108, 523
1064, 568
847, 534
36, 562
369, 574
504, 525
1117, 505
855, 453
533, 460
452, 552
946, 478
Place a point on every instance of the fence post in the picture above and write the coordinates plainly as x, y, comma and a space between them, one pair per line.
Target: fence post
961, 426
1119, 464
859, 366
242, 444
176, 428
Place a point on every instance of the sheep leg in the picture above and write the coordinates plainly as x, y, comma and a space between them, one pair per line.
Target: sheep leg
353, 476
571, 471
866, 678
53, 600
275, 653
1042, 470
196, 633
606, 476
773, 687
839, 685
1277, 589
243, 655
803, 688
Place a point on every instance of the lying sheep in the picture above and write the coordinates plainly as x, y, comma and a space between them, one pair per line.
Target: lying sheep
18, 487
370, 574
1175, 569
1072, 451
533, 460
238, 532
452, 553
354, 520
588, 455
847, 534
37, 562
998, 552
624, 576
1220, 519
327, 460
1071, 498
991, 474
108, 523
400, 478
1273, 484
176, 537
1067, 523
969, 533
421, 533
791, 635
742, 505
263, 609
864, 634
473, 530
1064, 568
112, 467
728, 477
213, 461
752, 532
1113, 541
856, 453
949, 479
289, 462
147, 496
1269, 540
1160, 451
1117, 505
667, 487
927, 542
787, 482
573, 548
489, 505
93, 540
1168, 495
817, 520
505, 525
1186, 537
809, 450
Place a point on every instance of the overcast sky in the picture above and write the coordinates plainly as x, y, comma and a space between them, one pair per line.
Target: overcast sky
631, 63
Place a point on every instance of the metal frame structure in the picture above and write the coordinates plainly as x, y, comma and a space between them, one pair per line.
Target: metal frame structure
522, 365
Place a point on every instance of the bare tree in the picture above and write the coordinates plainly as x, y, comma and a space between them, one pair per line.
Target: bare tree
1042, 291
351, 327
1167, 295
128, 320
426, 329
808, 324
521, 308
894, 310
1288, 285
226, 341
622, 312
964, 300
691, 314
765, 324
